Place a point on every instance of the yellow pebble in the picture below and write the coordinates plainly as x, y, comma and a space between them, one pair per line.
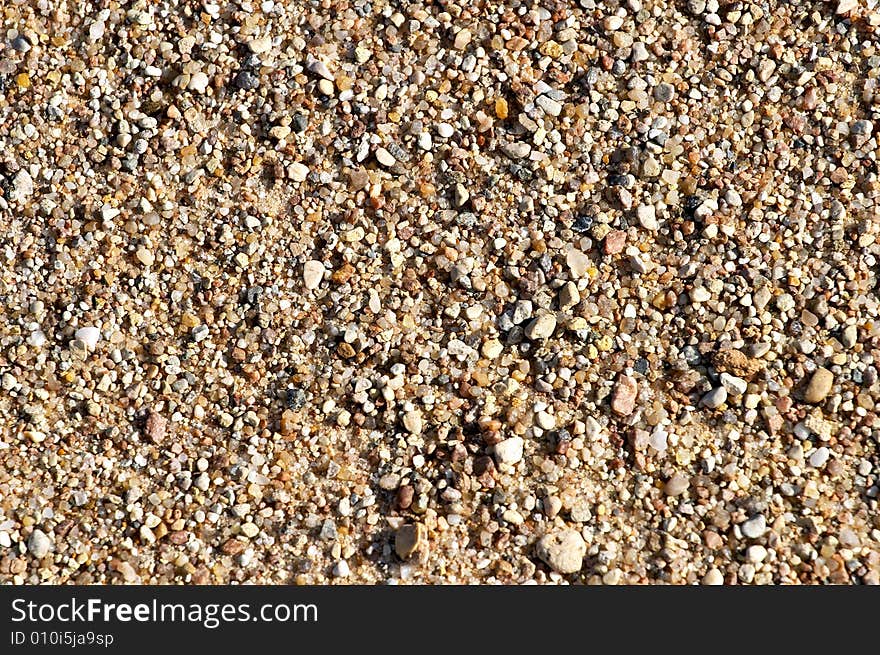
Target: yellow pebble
23, 80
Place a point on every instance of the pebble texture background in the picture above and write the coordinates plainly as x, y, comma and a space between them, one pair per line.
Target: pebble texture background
421, 292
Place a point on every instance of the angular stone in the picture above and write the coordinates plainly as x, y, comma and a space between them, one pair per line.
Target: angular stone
409, 539
615, 240
623, 400
569, 295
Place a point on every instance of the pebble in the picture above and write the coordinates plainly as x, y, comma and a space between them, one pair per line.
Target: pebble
676, 485
39, 544
756, 554
313, 273
647, 217
755, 527
569, 295
713, 577
820, 386
614, 242
298, 172
384, 157
89, 335
714, 398
664, 92
541, 327
341, 569
155, 427
623, 400
412, 421
563, 551
260, 45
735, 386
509, 451
819, 457
198, 82
578, 263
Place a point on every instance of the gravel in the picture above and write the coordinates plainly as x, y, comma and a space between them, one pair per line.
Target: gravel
281, 280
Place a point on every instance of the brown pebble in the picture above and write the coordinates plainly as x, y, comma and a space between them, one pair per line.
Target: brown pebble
155, 427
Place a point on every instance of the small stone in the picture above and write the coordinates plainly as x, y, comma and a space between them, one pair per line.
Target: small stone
341, 569
21, 44
651, 168
492, 348
849, 337
714, 398
409, 539
713, 577
615, 240
819, 386
384, 157
639, 52
288, 422
549, 105
755, 527
462, 39
578, 262
198, 82
445, 130
545, 420
320, 69
460, 195
541, 327
517, 150
246, 80
522, 311
700, 294
412, 421
647, 217
313, 273
569, 295
734, 385
613, 23
664, 92
819, 457
298, 172
756, 553
39, 544
23, 185
89, 336
562, 551
846, 6
261, 45
676, 485
509, 451
155, 426
623, 400
144, 256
